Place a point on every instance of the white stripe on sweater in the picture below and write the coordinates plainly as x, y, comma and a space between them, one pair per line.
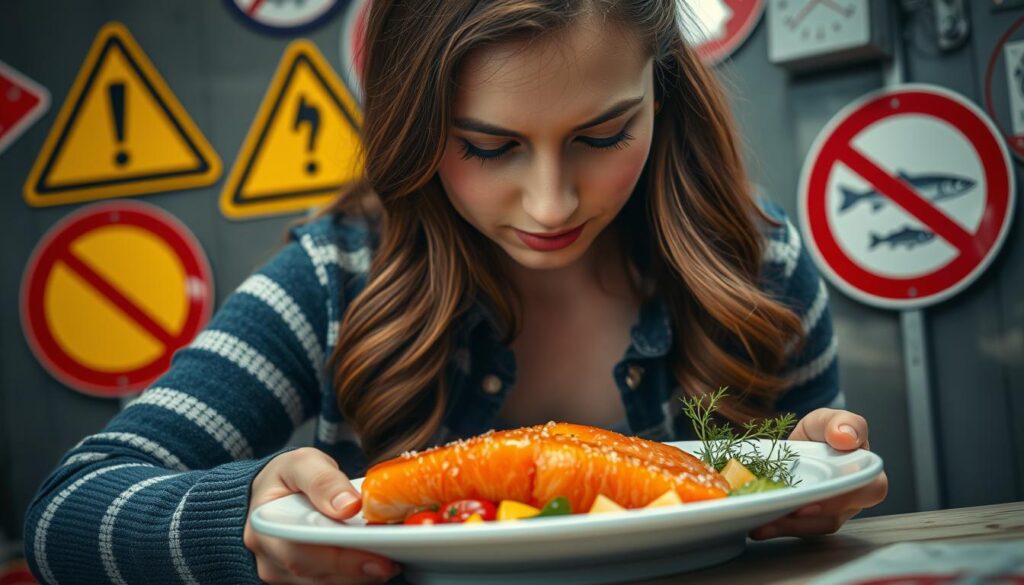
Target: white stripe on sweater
275, 297
39, 539
786, 253
332, 334
106, 535
322, 255
313, 251
246, 357
817, 308
84, 457
815, 367
174, 538
357, 262
202, 414
149, 446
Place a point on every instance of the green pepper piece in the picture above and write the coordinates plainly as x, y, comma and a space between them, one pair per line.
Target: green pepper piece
557, 507
756, 486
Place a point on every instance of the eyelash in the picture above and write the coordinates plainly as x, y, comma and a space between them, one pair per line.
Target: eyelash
618, 142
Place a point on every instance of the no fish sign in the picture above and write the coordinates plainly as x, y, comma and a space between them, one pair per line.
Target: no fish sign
906, 196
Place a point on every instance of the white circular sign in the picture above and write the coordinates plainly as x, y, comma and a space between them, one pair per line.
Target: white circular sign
906, 196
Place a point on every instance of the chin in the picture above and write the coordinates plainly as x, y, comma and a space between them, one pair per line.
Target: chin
536, 260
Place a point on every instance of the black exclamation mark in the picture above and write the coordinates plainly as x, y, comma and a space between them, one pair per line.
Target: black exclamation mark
116, 93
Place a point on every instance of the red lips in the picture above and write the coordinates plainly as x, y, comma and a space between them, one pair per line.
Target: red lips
550, 242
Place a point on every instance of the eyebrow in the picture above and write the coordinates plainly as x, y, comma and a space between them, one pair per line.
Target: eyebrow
615, 111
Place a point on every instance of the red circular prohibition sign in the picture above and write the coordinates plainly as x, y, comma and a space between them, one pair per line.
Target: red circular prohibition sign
56, 246
975, 249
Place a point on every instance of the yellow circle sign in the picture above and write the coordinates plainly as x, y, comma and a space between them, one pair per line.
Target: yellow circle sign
111, 293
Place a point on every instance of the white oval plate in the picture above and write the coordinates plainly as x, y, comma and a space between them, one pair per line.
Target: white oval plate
579, 549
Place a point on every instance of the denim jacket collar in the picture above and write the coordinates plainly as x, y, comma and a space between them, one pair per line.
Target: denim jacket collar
651, 336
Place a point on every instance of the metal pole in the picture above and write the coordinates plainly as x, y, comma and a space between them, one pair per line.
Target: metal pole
919, 409
915, 350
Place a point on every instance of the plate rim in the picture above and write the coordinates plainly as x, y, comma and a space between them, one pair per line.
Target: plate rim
577, 525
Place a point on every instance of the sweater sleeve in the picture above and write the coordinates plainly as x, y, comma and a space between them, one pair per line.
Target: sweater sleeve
812, 369
161, 495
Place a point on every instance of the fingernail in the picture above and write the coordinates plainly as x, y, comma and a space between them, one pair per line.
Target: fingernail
372, 569
848, 430
808, 510
342, 500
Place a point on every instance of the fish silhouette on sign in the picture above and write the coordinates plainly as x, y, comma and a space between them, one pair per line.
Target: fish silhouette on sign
907, 236
934, 187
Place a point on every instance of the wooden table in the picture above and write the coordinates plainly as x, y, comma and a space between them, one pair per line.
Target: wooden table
791, 560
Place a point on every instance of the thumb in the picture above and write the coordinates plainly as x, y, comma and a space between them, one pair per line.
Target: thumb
327, 488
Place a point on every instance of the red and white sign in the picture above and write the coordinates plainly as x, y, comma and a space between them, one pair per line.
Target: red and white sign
353, 36
1004, 86
906, 196
22, 102
718, 27
288, 17
110, 293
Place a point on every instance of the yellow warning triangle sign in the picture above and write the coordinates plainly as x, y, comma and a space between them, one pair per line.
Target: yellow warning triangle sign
303, 145
120, 132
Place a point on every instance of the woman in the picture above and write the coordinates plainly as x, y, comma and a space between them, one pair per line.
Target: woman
553, 194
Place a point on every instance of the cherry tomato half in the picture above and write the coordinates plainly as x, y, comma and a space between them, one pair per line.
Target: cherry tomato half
424, 517
459, 511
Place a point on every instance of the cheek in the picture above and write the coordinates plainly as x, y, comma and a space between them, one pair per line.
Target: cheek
470, 187
614, 182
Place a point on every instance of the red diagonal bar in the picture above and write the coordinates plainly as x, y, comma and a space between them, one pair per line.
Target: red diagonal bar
122, 302
903, 195
254, 7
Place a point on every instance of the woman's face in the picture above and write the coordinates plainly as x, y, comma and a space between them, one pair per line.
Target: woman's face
549, 139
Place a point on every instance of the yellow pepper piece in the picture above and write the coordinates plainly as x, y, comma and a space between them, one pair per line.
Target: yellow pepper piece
736, 474
603, 504
475, 518
512, 510
669, 498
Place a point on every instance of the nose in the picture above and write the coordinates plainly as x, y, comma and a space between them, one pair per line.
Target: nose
549, 195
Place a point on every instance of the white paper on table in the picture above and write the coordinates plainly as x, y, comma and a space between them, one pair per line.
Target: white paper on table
933, 563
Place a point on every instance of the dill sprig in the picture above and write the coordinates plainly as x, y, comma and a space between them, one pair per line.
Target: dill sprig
721, 443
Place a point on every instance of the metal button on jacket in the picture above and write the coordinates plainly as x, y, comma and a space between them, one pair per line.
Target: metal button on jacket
633, 376
491, 384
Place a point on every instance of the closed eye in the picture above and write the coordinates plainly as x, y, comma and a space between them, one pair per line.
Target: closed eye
469, 150
620, 140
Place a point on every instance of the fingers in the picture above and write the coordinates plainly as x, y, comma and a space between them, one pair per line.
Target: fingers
840, 429
316, 474
813, 526
827, 516
287, 562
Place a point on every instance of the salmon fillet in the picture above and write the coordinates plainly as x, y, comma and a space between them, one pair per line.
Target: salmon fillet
534, 465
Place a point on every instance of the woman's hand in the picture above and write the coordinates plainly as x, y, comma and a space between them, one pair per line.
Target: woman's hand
843, 431
311, 472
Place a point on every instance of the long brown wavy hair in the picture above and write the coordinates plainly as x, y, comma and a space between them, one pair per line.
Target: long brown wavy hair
694, 228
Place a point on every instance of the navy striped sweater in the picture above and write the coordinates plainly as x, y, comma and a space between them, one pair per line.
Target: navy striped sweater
161, 494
